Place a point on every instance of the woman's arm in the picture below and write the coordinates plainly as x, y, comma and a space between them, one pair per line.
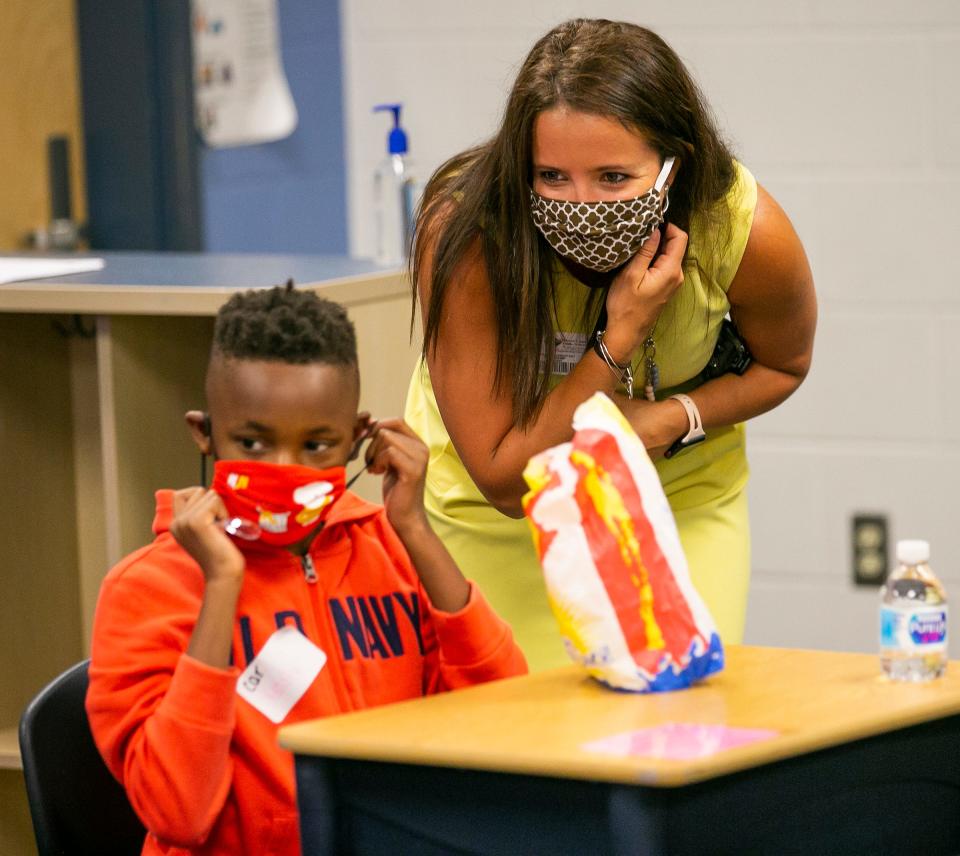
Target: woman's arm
773, 304
462, 366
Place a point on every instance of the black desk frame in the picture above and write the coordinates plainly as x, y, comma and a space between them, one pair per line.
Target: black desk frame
897, 793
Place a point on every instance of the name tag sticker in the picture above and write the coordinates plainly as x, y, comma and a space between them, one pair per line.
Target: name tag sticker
568, 349
280, 674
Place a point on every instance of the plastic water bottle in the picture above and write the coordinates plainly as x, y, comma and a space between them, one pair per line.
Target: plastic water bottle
913, 617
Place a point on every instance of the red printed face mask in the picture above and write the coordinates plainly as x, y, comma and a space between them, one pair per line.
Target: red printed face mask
273, 503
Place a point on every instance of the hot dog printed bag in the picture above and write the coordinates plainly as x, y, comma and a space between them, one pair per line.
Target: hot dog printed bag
615, 572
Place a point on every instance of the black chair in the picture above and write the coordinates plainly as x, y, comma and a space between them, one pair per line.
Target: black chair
76, 804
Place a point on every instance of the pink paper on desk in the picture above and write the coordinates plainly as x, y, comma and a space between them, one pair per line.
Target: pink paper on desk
678, 741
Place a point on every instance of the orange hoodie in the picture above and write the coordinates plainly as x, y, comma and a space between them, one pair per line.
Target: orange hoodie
201, 767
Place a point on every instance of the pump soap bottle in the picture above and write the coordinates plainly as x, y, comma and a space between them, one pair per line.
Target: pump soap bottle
393, 196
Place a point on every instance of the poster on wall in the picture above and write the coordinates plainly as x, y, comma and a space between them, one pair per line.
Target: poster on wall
241, 92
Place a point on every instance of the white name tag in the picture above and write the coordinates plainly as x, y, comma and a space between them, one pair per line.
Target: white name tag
281, 673
568, 349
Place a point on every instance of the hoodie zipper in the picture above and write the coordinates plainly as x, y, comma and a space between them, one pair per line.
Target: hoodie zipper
322, 635
309, 571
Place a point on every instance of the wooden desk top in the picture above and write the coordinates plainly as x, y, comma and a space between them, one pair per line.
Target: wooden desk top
196, 283
537, 725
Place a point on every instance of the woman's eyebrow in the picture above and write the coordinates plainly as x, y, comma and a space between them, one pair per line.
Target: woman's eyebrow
624, 166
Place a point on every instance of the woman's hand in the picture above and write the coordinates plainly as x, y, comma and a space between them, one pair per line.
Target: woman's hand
197, 518
641, 290
401, 457
658, 423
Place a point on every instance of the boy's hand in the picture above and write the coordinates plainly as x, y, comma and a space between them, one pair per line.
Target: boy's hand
398, 454
401, 457
197, 518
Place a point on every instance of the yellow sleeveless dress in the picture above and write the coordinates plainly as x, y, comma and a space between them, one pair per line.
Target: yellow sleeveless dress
705, 485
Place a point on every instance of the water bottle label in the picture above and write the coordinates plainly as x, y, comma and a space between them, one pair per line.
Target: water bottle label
922, 630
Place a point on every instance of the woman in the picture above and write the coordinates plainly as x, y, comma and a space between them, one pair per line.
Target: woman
541, 280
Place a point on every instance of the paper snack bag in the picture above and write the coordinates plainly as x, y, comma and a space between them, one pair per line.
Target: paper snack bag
616, 575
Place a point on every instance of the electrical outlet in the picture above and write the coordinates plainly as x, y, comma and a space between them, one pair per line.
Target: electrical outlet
870, 549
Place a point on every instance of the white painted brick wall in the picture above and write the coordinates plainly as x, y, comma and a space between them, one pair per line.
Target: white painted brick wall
848, 112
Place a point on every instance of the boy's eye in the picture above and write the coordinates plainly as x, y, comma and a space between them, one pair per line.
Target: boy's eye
251, 444
317, 445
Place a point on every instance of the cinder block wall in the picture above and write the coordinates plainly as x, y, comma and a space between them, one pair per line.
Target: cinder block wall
848, 112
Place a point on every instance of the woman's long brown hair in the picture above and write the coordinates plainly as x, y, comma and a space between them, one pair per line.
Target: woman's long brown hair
612, 69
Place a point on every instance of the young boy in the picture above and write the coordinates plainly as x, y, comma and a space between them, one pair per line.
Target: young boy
179, 621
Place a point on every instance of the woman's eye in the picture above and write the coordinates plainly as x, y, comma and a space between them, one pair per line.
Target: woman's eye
614, 177
550, 176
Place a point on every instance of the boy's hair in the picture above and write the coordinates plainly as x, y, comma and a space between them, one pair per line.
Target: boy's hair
285, 325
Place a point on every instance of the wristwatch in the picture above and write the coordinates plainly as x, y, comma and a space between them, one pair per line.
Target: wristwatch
695, 433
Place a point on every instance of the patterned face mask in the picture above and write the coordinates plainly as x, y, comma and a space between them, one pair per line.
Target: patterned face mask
601, 235
277, 504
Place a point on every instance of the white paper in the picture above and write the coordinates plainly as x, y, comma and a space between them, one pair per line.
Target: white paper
240, 89
281, 673
15, 269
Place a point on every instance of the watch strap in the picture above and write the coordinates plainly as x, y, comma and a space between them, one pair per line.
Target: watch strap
695, 433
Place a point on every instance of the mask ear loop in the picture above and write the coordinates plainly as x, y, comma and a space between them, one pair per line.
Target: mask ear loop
355, 451
661, 186
664, 174
247, 530
203, 455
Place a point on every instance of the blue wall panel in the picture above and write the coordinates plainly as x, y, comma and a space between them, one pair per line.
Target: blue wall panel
143, 188
288, 196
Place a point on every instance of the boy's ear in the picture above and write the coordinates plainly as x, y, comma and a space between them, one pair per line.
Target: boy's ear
362, 424
361, 428
199, 424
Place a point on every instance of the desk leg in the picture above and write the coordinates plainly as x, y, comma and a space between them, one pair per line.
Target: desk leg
317, 806
637, 822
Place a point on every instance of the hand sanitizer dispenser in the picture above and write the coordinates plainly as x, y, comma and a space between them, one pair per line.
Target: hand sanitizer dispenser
393, 196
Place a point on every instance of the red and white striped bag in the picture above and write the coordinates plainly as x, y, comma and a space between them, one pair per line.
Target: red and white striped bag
615, 571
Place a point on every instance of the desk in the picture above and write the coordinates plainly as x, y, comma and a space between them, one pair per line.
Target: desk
97, 372
857, 765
